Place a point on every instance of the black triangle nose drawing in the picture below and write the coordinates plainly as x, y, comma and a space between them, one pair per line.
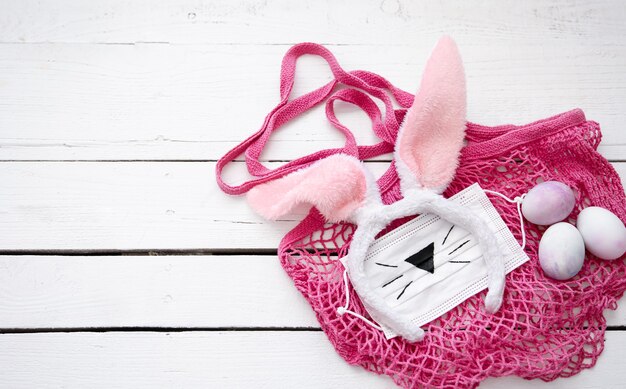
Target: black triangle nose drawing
423, 259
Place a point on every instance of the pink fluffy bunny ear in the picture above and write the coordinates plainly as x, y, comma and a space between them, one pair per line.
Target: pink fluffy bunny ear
337, 186
431, 136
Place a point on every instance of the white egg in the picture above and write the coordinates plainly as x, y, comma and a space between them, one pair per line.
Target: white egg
548, 203
561, 251
603, 232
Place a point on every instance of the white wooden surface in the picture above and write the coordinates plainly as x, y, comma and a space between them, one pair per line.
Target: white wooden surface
221, 359
112, 114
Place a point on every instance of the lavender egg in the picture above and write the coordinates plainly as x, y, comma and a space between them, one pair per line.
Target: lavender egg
548, 203
561, 251
603, 232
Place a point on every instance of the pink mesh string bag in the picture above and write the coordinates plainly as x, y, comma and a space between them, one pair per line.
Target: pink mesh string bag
545, 328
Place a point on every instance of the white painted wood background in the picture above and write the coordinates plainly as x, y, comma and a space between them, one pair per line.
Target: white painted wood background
112, 114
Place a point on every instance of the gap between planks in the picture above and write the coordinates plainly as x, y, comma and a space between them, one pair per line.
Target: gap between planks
188, 329
140, 253
156, 329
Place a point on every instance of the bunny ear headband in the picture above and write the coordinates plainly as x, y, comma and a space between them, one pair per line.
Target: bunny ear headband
426, 154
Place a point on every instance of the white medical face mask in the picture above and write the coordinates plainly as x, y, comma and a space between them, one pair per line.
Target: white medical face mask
428, 266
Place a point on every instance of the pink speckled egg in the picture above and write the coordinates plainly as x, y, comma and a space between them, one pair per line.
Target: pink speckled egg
561, 251
548, 203
603, 232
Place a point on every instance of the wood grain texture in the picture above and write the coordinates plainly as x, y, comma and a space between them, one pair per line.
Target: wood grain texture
149, 291
382, 22
44, 292
151, 98
132, 206
125, 206
224, 360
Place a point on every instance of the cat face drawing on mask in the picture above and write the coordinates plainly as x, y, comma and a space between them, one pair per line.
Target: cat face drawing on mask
426, 158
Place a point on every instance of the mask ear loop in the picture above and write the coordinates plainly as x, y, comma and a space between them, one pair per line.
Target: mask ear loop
518, 201
343, 310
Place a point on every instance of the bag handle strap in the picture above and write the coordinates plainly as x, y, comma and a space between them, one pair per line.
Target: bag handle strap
385, 128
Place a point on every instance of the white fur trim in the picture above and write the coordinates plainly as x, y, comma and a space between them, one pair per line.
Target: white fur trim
372, 221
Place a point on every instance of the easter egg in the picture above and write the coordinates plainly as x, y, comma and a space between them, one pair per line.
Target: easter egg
548, 203
603, 232
561, 251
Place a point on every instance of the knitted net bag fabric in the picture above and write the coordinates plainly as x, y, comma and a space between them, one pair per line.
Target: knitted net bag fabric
544, 329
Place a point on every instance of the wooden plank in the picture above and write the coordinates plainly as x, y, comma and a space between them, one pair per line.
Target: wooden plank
190, 102
225, 360
255, 21
125, 206
149, 291
42, 292
131, 206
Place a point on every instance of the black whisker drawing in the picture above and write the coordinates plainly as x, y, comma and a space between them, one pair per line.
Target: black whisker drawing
384, 264
448, 234
461, 245
393, 280
403, 290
